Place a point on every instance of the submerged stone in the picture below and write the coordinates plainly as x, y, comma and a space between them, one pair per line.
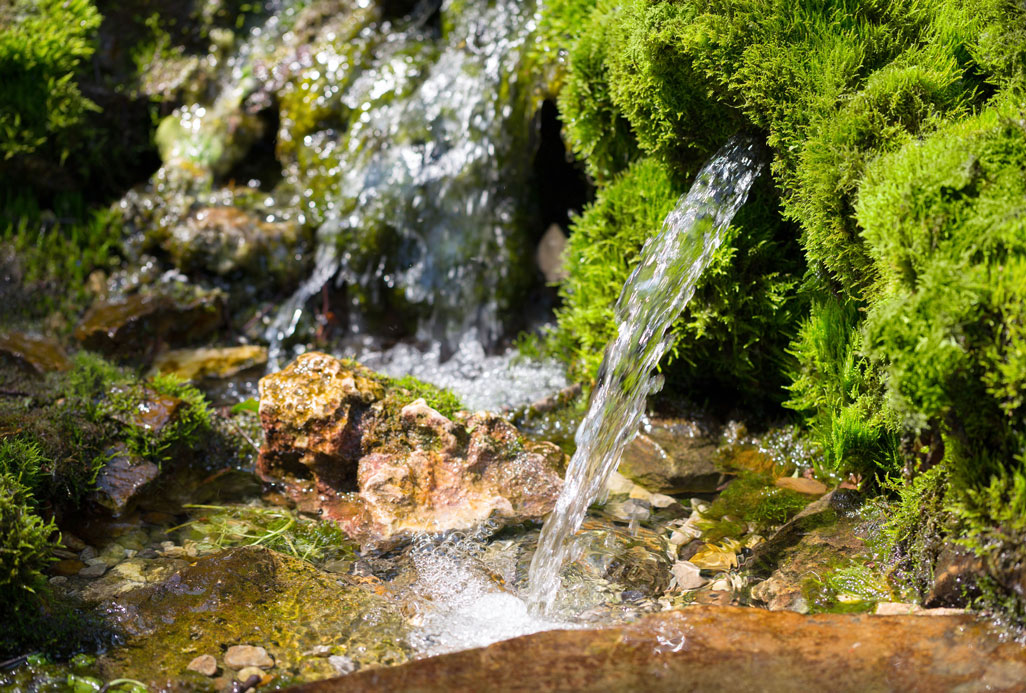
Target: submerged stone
345, 445
674, 456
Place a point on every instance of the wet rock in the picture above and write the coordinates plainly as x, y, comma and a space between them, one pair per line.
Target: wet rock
344, 445
249, 674
724, 649
673, 456
125, 475
39, 353
133, 325
68, 566
342, 664
195, 364
955, 575
809, 487
612, 552
204, 664
242, 656
93, 571
225, 240
250, 595
549, 254
687, 575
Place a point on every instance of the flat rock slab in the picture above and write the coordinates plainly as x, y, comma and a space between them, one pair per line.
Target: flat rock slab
724, 649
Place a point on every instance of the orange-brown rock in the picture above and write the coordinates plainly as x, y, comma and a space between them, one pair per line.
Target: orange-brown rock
344, 444
714, 649
39, 353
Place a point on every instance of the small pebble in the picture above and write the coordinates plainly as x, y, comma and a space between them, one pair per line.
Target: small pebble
94, 570
204, 664
342, 664
247, 673
242, 656
87, 553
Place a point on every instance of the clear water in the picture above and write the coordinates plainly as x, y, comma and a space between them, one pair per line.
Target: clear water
655, 294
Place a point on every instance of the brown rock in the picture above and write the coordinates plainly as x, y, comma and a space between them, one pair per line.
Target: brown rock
134, 324
67, 567
673, 456
194, 364
223, 240
121, 479
39, 353
723, 649
204, 664
242, 656
341, 444
955, 576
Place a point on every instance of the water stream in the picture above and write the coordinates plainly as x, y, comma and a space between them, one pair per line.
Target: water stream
655, 294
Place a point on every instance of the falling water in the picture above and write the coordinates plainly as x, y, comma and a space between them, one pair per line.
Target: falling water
429, 166
654, 295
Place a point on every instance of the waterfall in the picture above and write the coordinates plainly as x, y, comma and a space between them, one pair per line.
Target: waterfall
424, 203
654, 295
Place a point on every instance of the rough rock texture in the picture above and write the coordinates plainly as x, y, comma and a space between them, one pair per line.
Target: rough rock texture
673, 456
723, 649
384, 468
122, 478
135, 324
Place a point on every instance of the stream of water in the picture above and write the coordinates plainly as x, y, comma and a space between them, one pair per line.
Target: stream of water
655, 294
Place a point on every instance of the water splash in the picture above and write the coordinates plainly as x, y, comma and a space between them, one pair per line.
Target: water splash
652, 298
461, 602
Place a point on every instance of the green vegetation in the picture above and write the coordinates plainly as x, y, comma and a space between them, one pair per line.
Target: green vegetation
897, 152
409, 388
222, 527
751, 498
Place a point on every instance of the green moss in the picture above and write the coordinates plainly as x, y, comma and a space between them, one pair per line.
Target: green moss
409, 388
752, 498
840, 393
42, 46
733, 332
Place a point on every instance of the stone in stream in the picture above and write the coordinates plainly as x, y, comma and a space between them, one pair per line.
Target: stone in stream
345, 442
225, 240
122, 478
242, 656
132, 325
223, 362
723, 649
674, 456
204, 664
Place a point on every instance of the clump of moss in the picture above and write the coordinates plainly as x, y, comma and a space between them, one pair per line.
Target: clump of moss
841, 393
751, 499
734, 332
25, 538
408, 388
